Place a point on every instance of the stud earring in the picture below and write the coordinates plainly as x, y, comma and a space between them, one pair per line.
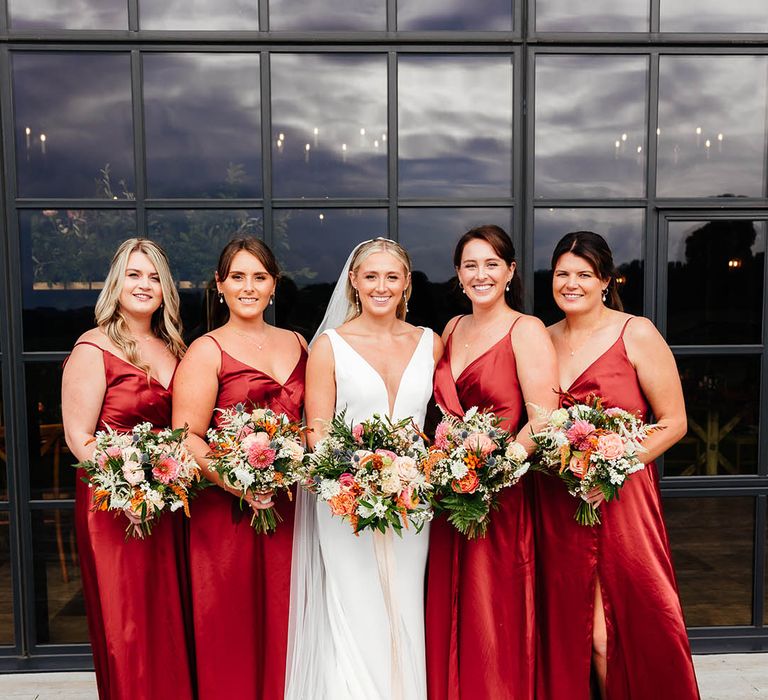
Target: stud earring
221, 298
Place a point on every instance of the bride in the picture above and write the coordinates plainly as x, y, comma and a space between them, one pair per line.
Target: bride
356, 629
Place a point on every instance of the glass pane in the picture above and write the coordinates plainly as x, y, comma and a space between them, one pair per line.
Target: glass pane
65, 256
325, 15
621, 228
712, 126
590, 126
592, 16
455, 121
74, 131
3, 455
59, 606
722, 398
714, 16
203, 136
193, 240
329, 125
50, 462
6, 586
68, 14
712, 545
199, 14
715, 285
311, 246
430, 235
456, 15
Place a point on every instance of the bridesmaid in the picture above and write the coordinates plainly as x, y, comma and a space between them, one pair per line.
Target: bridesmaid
607, 595
240, 580
119, 374
480, 593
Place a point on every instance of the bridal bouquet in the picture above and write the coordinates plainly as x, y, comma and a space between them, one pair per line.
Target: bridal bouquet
470, 461
370, 474
254, 452
590, 446
141, 474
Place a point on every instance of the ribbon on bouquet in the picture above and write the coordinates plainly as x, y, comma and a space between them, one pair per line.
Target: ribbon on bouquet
385, 561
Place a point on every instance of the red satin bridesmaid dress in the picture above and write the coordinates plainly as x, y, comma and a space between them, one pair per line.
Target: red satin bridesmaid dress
480, 593
648, 651
134, 590
240, 579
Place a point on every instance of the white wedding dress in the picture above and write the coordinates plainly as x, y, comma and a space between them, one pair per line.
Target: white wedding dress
371, 632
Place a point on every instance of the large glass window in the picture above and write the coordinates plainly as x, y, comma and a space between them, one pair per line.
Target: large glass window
199, 14
74, 131
592, 16
311, 246
455, 126
621, 228
590, 126
65, 256
202, 125
715, 281
430, 236
711, 542
480, 15
326, 15
714, 16
712, 126
68, 14
329, 125
6, 587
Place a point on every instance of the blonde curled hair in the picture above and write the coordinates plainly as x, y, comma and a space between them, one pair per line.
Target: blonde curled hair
378, 245
166, 321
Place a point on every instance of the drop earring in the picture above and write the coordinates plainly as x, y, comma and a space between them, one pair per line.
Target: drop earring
221, 298
357, 301
272, 300
405, 299
605, 295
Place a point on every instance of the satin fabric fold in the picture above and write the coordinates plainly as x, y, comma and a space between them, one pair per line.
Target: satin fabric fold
480, 593
135, 591
240, 580
648, 649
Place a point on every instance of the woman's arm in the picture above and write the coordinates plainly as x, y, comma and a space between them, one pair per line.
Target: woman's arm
660, 381
537, 373
320, 392
83, 386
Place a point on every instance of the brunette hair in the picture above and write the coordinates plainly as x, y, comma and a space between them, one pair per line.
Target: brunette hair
219, 313
166, 320
499, 240
378, 245
593, 248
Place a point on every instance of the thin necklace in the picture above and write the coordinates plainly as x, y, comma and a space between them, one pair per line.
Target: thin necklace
566, 334
259, 344
474, 335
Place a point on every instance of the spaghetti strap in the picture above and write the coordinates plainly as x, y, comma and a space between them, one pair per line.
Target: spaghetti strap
624, 327
514, 323
455, 326
298, 339
215, 341
88, 342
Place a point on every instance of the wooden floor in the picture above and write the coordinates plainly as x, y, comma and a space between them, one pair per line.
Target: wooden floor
721, 677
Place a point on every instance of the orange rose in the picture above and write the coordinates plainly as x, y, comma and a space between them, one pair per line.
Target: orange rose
344, 503
467, 484
577, 466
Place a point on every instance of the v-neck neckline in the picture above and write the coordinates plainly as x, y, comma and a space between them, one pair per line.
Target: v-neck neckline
138, 369
595, 361
390, 405
282, 385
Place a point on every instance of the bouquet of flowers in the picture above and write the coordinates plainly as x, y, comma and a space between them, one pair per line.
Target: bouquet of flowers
370, 474
590, 446
257, 451
141, 474
470, 461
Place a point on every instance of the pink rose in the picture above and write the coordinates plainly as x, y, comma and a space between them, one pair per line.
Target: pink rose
243, 433
387, 456
260, 457
479, 442
577, 466
109, 453
407, 498
442, 432
407, 469
347, 481
357, 433
578, 434
167, 470
133, 473
262, 439
610, 446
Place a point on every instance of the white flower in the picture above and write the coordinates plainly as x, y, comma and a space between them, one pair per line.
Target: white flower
559, 417
470, 414
154, 499
458, 469
329, 489
175, 506
379, 509
390, 481
133, 473
407, 469
364, 511
516, 452
244, 476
